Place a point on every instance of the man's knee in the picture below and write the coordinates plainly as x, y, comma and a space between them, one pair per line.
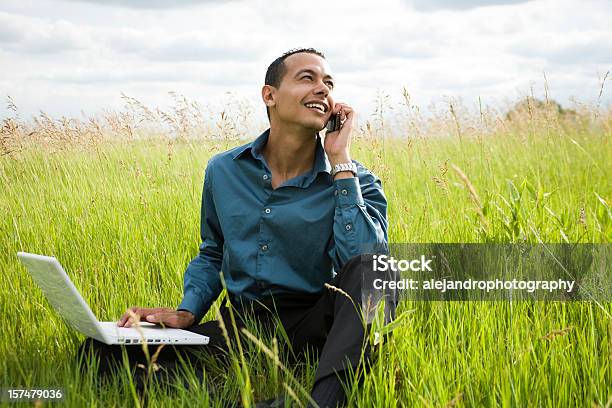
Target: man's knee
353, 270
358, 261
359, 278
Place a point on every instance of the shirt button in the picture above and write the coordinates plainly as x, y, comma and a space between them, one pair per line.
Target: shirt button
348, 227
261, 284
265, 176
344, 191
264, 247
267, 211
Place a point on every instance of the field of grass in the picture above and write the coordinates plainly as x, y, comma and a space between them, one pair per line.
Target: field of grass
123, 218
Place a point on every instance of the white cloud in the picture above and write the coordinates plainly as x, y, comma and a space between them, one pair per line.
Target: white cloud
202, 46
593, 46
147, 4
23, 35
64, 56
458, 4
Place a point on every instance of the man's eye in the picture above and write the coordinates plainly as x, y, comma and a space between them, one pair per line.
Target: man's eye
307, 76
331, 84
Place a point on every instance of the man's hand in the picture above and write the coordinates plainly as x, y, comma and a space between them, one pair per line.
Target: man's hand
337, 144
178, 319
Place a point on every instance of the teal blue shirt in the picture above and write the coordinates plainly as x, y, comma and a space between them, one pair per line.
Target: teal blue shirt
284, 240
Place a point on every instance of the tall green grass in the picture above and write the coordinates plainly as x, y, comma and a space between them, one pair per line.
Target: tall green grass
123, 219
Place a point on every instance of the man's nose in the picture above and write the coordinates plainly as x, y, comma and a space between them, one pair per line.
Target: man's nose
322, 89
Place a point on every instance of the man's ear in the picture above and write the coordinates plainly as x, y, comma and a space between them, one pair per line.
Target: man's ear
268, 92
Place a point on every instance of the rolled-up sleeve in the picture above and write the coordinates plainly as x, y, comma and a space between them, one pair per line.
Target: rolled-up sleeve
360, 217
202, 284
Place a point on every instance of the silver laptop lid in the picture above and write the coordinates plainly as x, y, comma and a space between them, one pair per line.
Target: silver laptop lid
62, 294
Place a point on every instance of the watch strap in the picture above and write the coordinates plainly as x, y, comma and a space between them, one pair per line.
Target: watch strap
352, 167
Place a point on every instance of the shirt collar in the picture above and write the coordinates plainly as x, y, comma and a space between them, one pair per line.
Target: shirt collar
254, 147
321, 164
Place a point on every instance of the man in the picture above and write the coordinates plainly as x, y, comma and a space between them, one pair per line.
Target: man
279, 216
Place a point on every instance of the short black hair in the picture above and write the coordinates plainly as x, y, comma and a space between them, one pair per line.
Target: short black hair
277, 69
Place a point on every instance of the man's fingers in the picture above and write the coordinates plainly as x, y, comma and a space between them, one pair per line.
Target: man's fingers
339, 106
134, 314
158, 318
158, 315
132, 318
174, 319
137, 316
346, 112
125, 317
169, 319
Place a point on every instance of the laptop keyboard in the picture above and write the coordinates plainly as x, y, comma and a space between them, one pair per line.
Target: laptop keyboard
151, 333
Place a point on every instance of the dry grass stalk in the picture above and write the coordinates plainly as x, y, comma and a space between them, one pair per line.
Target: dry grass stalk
442, 180
455, 119
336, 289
187, 120
455, 401
275, 358
292, 394
151, 361
473, 194
135, 320
557, 333
601, 88
582, 219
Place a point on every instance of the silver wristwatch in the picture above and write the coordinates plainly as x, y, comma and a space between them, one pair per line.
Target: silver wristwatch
352, 167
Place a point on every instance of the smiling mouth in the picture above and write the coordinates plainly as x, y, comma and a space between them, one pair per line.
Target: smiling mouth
317, 107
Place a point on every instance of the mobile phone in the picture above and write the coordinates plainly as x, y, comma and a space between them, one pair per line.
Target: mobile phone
334, 123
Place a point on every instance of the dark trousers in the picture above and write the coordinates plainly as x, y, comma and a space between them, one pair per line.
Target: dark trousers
328, 323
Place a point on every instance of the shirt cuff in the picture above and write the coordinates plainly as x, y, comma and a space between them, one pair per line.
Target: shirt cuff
192, 303
347, 192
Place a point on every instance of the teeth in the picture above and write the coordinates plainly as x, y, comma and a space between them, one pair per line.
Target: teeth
316, 105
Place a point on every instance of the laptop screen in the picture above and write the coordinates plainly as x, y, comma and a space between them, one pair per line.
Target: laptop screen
62, 294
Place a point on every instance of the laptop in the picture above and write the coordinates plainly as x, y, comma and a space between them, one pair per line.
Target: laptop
48, 273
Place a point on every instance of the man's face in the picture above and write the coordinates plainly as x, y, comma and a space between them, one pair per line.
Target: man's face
307, 81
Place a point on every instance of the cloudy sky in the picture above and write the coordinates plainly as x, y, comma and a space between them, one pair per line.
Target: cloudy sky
68, 56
